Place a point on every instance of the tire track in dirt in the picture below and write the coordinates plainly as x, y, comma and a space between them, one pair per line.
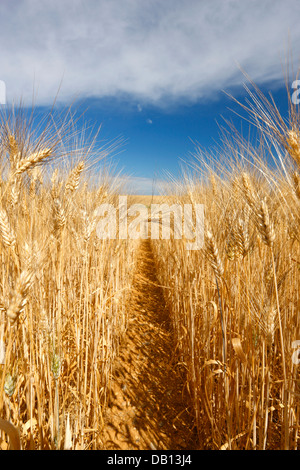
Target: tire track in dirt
148, 403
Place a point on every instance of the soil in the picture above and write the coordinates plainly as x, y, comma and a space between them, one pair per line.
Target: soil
148, 405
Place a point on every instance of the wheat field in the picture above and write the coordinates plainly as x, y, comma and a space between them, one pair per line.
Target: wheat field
70, 302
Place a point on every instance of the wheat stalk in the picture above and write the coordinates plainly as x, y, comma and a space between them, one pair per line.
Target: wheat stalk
14, 153
296, 178
19, 297
242, 238
73, 180
212, 253
265, 226
12, 432
59, 215
270, 324
15, 191
7, 233
248, 190
292, 145
31, 161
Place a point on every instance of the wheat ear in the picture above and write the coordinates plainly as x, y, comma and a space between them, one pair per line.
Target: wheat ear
8, 235
212, 253
14, 153
59, 215
265, 226
248, 191
296, 178
28, 163
292, 145
73, 180
19, 297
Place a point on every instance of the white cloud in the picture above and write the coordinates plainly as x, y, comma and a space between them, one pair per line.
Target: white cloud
149, 121
151, 50
140, 185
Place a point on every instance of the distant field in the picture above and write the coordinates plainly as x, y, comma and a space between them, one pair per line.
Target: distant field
147, 200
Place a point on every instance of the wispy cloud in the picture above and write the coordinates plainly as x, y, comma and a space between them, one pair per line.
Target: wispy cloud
151, 51
140, 185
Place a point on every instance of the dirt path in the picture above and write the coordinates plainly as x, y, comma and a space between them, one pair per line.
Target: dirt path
147, 408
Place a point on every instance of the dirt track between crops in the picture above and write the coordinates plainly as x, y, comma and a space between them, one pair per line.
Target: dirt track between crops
148, 400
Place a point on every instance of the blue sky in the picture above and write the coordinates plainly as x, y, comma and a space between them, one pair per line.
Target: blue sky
159, 141
149, 71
